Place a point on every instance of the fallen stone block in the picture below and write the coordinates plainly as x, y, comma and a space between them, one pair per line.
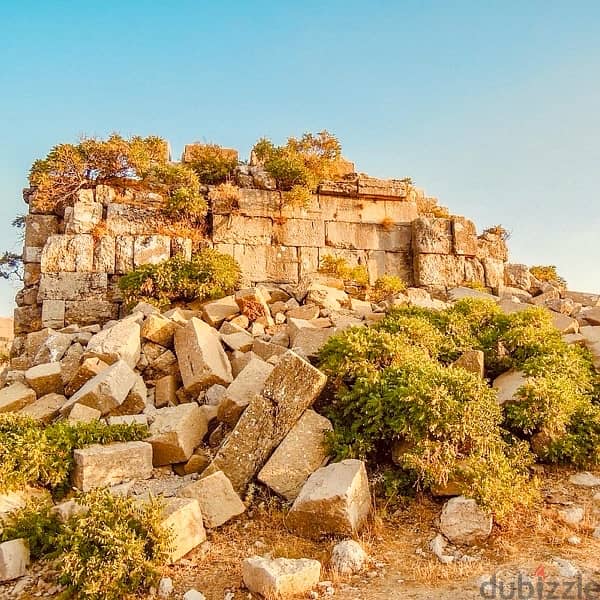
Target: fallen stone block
88, 369
102, 466
214, 313
83, 414
306, 312
217, 499
472, 361
44, 409
335, 500
165, 393
282, 577
119, 342
176, 432
308, 342
463, 522
508, 385
160, 330
45, 379
15, 397
240, 341
253, 303
183, 518
14, 559
326, 297
239, 361
128, 420
267, 350
299, 455
202, 360
136, 401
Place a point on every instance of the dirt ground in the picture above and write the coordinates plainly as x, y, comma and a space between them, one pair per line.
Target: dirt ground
401, 565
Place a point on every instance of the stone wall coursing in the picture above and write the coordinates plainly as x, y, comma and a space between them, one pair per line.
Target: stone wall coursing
74, 254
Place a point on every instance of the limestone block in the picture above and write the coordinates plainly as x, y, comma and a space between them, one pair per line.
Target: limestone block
387, 188
83, 414
309, 341
88, 369
105, 255
217, 311
72, 286
351, 209
583, 298
244, 387
281, 577
474, 271
267, 350
236, 229
107, 390
491, 245
564, 323
282, 264
166, 391
517, 276
218, 500
45, 409
127, 219
90, 312
240, 340
367, 236
45, 379
38, 228
337, 188
102, 466
465, 236
48, 345
432, 235
401, 212
151, 249
308, 261
160, 330
305, 312
458, 293
508, 385
472, 361
15, 397
348, 558
494, 272
439, 270
128, 420
136, 401
119, 342
463, 522
124, 254
326, 297
68, 253
183, 518
300, 232
14, 559
176, 432
335, 500
252, 261
252, 203
290, 389
202, 360
53, 314
299, 455
32, 254
83, 217
27, 319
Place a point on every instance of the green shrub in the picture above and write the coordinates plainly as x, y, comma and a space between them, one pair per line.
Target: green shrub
212, 163
208, 275
33, 455
336, 266
548, 273
386, 286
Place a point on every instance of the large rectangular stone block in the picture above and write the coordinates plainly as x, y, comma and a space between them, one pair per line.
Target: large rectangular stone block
183, 518
90, 312
308, 261
72, 286
368, 236
38, 228
125, 219
236, 229
151, 249
300, 232
432, 236
439, 270
385, 188
124, 254
251, 203
83, 216
105, 255
68, 253
27, 319
465, 236
282, 264
14, 559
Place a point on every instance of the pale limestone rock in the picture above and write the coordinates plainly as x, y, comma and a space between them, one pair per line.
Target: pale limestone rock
15, 397
88, 369
305, 312
217, 311
280, 578
508, 385
107, 390
472, 361
308, 342
160, 330
101, 466
52, 346
253, 303
463, 522
326, 297
83, 414
45, 379
176, 432
151, 249
53, 313
182, 516
214, 394
244, 387
267, 350
584, 298
239, 340
432, 235
217, 499
585, 479
300, 454
464, 236
335, 500
458, 293
348, 558
119, 342
136, 401
72, 286
572, 515
68, 253
14, 559
45, 409
517, 276
166, 391
128, 420
83, 217
202, 360
439, 270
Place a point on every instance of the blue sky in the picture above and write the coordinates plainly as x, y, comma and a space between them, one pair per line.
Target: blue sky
493, 106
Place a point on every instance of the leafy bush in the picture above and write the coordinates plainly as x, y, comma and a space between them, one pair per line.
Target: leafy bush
548, 273
208, 275
211, 163
227, 195
338, 267
386, 286
33, 455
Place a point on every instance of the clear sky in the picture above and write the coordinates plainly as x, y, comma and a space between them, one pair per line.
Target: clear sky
493, 106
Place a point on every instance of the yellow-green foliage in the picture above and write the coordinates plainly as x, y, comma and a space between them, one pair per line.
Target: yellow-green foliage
339, 267
212, 163
548, 273
386, 286
208, 275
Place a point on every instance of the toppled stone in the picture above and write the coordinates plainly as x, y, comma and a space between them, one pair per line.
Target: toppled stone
88, 369
160, 330
194, 595
326, 297
335, 500
508, 385
214, 394
45, 379
472, 361
15, 397
305, 312
119, 342
309, 341
585, 479
280, 578
239, 340
45, 409
253, 303
136, 401
83, 414
182, 516
463, 522
214, 313
14, 559
176, 432
267, 350
101, 466
202, 360
128, 420
217, 499
348, 558
165, 587
166, 391
299, 455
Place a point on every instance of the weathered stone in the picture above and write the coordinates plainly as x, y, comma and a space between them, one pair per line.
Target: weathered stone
68, 253
151, 249
83, 414
239, 340
365, 236
166, 391
299, 455
38, 228
106, 391
124, 254
461, 292
15, 397
508, 385
214, 313
335, 500
160, 330
348, 558
53, 314
217, 499
45, 379
300, 232
119, 342
585, 479
463, 522
432, 236
72, 286
27, 319
494, 272
309, 341
244, 387
14, 559
282, 577
45, 409
237, 229
465, 236
101, 466
439, 270
326, 297
289, 390
89, 312
267, 350
202, 360
564, 323
136, 401
176, 432
83, 217
517, 276
105, 255
88, 369
472, 361
127, 219
183, 518
584, 298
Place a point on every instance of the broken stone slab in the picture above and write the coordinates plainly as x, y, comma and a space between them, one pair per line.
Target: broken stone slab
240, 341
136, 401
14, 559
48, 346
308, 342
293, 386
463, 522
128, 420
165, 393
326, 297
15, 397
183, 518
102, 466
508, 385
564, 323
202, 360
44, 409
176, 432
244, 387
119, 342
217, 499
306, 312
267, 350
472, 361
335, 500
217, 311
45, 379
107, 390
160, 330
299, 455
83, 414
281, 577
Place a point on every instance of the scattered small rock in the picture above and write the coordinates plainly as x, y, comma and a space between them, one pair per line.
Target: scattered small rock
348, 557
